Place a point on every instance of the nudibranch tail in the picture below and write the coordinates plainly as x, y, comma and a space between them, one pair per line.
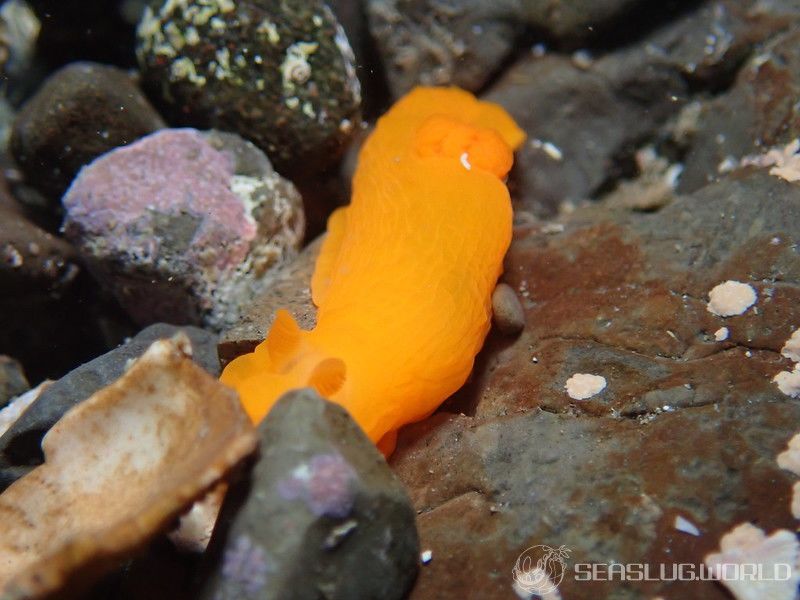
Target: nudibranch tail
404, 279
284, 361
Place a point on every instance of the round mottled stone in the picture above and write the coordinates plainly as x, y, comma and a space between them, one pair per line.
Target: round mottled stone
184, 226
279, 73
80, 112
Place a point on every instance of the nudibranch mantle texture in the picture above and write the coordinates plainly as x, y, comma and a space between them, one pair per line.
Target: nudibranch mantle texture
404, 279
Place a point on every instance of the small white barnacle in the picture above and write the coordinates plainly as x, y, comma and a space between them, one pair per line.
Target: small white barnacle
183, 68
191, 36
295, 68
270, 29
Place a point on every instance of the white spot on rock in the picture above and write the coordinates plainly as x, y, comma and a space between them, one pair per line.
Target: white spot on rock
788, 382
721, 334
784, 161
731, 298
548, 148
582, 386
426, 556
464, 158
789, 459
795, 505
775, 555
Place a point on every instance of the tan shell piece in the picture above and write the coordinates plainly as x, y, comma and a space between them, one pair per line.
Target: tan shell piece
197, 525
119, 468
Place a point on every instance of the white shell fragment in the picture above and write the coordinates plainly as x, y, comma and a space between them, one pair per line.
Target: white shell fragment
788, 382
785, 161
789, 459
196, 526
731, 298
582, 386
119, 467
13, 411
791, 349
795, 506
686, 526
721, 334
747, 547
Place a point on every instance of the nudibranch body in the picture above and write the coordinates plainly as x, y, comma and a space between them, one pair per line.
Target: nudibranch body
404, 279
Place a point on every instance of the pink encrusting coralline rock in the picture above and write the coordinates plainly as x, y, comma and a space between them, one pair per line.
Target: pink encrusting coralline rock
183, 226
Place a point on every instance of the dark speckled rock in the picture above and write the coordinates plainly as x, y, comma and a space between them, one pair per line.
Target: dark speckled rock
585, 117
466, 42
436, 43
280, 74
320, 516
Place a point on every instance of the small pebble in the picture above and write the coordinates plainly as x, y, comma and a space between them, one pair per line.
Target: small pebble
507, 310
426, 556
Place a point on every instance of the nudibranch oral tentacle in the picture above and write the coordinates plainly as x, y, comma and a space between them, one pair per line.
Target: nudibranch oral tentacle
404, 279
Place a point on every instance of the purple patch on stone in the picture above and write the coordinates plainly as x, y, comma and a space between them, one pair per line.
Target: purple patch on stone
173, 173
325, 484
245, 564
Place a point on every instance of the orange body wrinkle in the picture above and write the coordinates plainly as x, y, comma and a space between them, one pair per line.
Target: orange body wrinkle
404, 280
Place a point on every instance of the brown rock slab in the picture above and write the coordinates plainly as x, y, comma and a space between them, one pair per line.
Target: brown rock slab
607, 489
686, 426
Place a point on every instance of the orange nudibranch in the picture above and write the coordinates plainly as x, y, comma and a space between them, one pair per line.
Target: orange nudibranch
404, 279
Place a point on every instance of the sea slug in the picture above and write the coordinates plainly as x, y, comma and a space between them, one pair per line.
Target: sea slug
404, 280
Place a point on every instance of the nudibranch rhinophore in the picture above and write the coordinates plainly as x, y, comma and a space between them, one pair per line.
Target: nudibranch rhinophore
404, 280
